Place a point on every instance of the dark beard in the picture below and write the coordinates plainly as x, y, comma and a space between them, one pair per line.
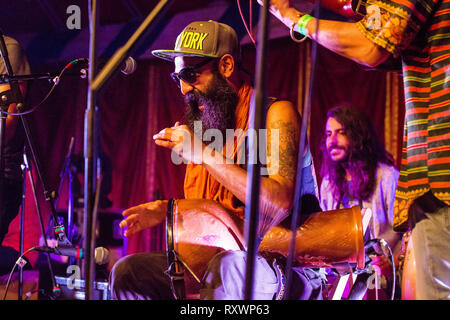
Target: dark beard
219, 101
362, 173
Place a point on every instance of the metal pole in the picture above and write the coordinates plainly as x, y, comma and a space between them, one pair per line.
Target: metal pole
95, 85
296, 213
122, 53
29, 170
22, 232
89, 224
254, 166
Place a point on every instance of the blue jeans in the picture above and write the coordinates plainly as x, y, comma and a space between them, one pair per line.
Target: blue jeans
225, 279
431, 242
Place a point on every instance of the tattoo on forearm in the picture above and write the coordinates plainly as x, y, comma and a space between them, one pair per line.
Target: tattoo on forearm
287, 149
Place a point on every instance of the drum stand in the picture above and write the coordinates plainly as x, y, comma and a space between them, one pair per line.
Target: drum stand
337, 290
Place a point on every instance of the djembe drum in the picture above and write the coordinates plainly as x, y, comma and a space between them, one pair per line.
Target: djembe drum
324, 239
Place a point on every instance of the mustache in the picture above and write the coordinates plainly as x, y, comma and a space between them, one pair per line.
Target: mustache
195, 98
336, 147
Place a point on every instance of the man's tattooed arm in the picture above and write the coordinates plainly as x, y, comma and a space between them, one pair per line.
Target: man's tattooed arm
287, 147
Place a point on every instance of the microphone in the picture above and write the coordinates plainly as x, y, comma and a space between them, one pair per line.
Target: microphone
101, 255
128, 67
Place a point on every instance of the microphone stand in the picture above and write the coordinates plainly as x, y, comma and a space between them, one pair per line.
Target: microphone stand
89, 170
66, 169
29, 169
22, 231
254, 166
94, 86
37, 76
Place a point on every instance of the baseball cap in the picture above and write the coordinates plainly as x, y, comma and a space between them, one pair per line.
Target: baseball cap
203, 39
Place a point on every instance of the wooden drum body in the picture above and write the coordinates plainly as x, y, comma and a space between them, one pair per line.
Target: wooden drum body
199, 237
325, 239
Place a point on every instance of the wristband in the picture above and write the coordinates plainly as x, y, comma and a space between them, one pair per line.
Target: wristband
301, 24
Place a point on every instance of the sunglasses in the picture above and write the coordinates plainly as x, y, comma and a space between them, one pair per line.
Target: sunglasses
188, 74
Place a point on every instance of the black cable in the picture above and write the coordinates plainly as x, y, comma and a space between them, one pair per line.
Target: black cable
55, 83
20, 259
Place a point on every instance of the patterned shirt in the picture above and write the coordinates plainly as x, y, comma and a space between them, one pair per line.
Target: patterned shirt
418, 31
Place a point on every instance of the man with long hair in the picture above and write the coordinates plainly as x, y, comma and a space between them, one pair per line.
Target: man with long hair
357, 170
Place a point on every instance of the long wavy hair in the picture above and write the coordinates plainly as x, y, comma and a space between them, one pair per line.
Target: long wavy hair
366, 150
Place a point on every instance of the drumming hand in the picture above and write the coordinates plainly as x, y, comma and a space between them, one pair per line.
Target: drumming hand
181, 140
143, 216
381, 265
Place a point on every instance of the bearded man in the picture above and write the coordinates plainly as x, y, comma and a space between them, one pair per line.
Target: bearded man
208, 224
358, 171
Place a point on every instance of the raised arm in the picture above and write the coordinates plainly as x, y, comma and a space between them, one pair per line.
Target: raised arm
343, 38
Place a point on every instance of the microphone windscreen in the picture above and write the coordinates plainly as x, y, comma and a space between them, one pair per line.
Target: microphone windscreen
101, 255
129, 66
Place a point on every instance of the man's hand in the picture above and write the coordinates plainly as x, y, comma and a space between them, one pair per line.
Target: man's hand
143, 216
283, 11
277, 5
181, 140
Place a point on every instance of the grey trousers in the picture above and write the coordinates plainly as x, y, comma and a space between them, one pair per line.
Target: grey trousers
431, 241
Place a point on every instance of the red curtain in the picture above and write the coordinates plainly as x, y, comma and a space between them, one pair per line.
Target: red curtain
136, 107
